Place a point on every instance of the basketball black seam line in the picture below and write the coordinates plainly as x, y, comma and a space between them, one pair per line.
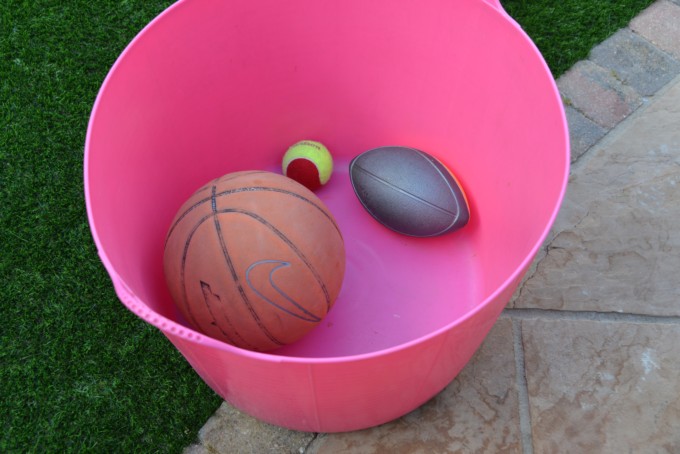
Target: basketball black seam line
230, 265
183, 282
291, 245
205, 298
234, 275
281, 236
290, 193
255, 188
185, 298
239, 190
182, 278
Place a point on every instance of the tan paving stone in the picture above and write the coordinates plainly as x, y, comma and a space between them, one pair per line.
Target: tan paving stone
583, 133
196, 449
660, 24
230, 431
598, 94
603, 387
636, 62
616, 244
477, 413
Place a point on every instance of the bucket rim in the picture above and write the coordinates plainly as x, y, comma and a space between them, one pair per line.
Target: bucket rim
174, 329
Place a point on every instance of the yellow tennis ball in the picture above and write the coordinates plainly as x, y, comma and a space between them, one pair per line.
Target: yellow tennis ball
309, 163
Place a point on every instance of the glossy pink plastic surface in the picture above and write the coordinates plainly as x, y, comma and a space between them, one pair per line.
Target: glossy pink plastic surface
215, 86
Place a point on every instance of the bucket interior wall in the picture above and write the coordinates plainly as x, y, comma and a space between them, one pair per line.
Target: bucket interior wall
213, 87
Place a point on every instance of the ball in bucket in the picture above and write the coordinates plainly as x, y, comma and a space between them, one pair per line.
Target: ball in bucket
254, 259
409, 191
309, 163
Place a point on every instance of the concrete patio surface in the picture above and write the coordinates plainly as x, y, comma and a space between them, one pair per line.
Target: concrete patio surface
586, 357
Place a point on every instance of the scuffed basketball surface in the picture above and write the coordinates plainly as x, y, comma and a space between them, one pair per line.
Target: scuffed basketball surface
254, 259
409, 191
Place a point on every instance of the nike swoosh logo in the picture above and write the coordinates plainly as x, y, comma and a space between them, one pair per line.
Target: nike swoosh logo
294, 309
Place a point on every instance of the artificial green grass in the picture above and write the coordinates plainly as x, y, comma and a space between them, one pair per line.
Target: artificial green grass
79, 372
566, 30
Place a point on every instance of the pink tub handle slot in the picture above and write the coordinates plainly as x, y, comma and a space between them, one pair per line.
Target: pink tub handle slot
129, 299
137, 306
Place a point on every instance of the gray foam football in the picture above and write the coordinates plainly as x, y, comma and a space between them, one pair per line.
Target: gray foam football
409, 191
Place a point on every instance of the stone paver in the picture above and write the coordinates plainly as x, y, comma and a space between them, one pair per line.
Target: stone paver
617, 241
603, 387
636, 62
660, 24
477, 413
583, 133
598, 94
230, 431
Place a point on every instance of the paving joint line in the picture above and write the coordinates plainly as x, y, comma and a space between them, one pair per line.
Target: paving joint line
525, 426
309, 445
651, 43
611, 317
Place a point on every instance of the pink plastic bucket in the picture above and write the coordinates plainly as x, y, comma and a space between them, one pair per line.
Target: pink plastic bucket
214, 86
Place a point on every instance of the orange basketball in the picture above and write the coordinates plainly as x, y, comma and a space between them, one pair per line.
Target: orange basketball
254, 259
